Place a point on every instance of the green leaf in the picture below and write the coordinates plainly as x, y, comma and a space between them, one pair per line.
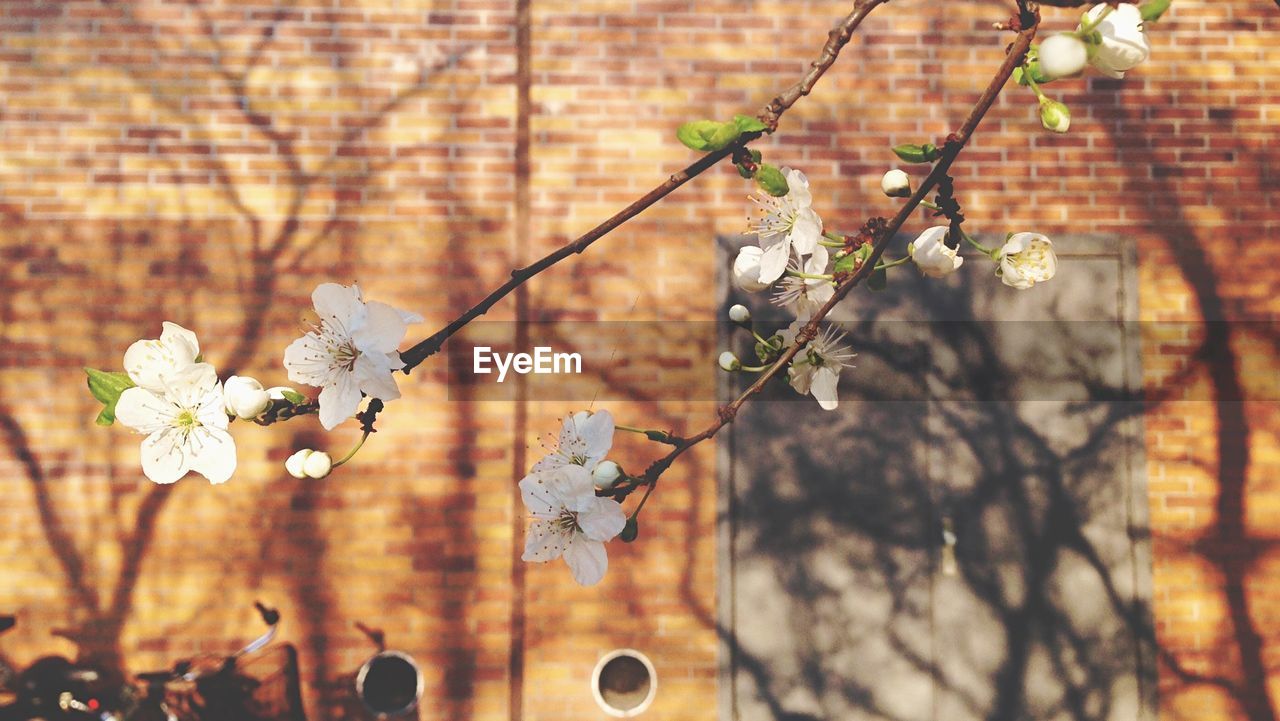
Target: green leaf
772, 181
847, 264
1152, 10
744, 172
293, 396
748, 124
106, 386
1033, 69
707, 135
913, 153
878, 280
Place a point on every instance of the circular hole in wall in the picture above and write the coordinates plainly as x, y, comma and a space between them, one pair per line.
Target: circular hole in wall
389, 684
624, 683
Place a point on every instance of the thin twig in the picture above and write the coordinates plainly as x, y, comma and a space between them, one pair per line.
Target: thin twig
955, 143
769, 115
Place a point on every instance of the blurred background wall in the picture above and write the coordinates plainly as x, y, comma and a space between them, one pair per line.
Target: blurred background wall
211, 162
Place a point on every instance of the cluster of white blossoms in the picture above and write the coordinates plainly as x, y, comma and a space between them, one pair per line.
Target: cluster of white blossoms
1111, 39
569, 520
170, 394
800, 262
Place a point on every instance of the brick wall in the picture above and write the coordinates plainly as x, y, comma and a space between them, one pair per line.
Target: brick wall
209, 163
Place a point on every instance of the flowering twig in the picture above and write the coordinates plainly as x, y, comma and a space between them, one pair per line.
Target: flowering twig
955, 143
769, 115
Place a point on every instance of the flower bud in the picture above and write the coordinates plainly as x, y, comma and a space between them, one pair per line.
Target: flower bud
295, 464
896, 184
739, 314
1055, 116
729, 362
244, 397
746, 269
1063, 56
606, 473
317, 465
630, 531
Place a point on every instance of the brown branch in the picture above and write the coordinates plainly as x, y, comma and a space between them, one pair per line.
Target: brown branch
955, 143
769, 115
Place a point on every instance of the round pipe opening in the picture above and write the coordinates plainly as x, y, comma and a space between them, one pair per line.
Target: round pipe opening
389, 684
624, 683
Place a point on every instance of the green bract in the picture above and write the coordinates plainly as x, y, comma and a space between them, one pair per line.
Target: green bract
913, 153
771, 181
1151, 11
708, 135
107, 386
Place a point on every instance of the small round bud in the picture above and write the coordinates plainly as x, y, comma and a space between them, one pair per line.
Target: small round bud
244, 397
729, 362
317, 465
1055, 116
896, 184
296, 464
739, 314
631, 531
606, 473
746, 269
1063, 56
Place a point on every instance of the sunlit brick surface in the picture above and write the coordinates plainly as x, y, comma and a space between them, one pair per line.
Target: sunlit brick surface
210, 163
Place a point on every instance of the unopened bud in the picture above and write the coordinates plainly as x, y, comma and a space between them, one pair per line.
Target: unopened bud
295, 464
772, 181
244, 397
606, 473
896, 184
317, 465
739, 314
1055, 116
631, 531
729, 362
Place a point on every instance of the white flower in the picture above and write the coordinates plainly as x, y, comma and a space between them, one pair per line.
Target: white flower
804, 296
739, 313
244, 397
729, 362
1054, 115
816, 369
788, 222
746, 269
932, 256
1026, 259
896, 184
606, 474
584, 441
570, 521
351, 351
1063, 56
1124, 43
150, 362
186, 426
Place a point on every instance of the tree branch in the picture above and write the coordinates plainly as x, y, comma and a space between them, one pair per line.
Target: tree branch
955, 143
769, 115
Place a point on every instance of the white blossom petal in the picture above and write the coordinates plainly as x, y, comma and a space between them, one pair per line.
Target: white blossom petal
600, 518
806, 232
213, 453
587, 560
144, 411
539, 499
339, 305
823, 386
373, 376
308, 360
382, 330
773, 262
190, 386
543, 542
339, 401
164, 457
